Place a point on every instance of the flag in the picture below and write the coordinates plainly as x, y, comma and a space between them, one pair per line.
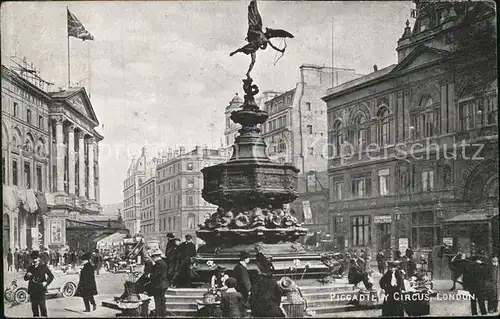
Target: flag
76, 28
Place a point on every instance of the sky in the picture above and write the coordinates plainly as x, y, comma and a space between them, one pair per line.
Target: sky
159, 73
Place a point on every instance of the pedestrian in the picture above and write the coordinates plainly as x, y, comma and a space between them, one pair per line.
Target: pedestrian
45, 257
380, 262
232, 304
493, 285
10, 259
17, 259
474, 280
265, 299
58, 257
87, 287
97, 261
26, 259
240, 273
393, 285
39, 277
219, 279
170, 244
159, 283
172, 259
366, 258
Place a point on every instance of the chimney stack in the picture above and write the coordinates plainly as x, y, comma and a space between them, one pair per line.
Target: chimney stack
198, 149
176, 153
375, 68
182, 150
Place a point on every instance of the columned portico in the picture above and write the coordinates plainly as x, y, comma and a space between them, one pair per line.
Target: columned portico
71, 159
59, 155
90, 146
81, 165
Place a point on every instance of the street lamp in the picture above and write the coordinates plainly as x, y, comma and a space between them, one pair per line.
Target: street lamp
397, 212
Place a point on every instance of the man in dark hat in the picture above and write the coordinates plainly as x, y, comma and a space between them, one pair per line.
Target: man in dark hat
173, 260
188, 247
475, 282
159, 283
393, 285
87, 287
187, 251
170, 243
240, 273
265, 299
39, 276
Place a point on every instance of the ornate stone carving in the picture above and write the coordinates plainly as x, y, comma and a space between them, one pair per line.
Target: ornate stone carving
90, 141
58, 119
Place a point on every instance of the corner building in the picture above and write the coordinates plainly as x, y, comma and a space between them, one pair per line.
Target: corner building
427, 116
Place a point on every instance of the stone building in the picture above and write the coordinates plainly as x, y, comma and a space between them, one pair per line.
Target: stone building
402, 138
136, 175
148, 215
296, 132
179, 181
50, 159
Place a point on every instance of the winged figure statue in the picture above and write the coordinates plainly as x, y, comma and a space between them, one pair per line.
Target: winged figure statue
258, 39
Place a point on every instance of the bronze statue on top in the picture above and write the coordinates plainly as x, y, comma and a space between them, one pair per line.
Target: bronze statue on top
258, 39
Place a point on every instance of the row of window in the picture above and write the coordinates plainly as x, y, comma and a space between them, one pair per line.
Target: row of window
149, 189
425, 231
29, 117
163, 226
361, 187
275, 124
278, 104
148, 201
147, 215
173, 169
476, 112
147, 229
27, 175
174, 202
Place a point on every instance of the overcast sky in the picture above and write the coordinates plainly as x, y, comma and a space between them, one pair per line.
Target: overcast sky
160, 72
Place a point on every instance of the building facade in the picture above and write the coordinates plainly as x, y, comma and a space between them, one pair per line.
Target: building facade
179, 180
296, 132
50, 159
401, 168
149, 216
136, 175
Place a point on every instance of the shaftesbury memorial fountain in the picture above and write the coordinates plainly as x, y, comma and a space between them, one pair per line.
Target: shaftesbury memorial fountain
251, 191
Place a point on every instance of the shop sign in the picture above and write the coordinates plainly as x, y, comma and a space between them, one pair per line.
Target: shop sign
382, 219
448, 241
403, 245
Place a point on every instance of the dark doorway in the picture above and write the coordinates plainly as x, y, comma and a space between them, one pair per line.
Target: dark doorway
384, 236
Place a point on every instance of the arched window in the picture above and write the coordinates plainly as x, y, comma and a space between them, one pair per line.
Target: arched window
361, 131
336, 139
384, 127
191, 220
426, 118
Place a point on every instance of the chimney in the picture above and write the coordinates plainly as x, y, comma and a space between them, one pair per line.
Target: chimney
169, 154
182, 150
176, 153
198, 149
375, 68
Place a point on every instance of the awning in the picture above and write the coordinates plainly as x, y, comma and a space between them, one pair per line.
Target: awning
111, 240
474, 216
10, 198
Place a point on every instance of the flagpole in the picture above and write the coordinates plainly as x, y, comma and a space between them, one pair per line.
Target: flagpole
69, 63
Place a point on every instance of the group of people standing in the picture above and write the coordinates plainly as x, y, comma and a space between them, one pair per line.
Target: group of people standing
260, 293
19, 260
407, 262
39, 277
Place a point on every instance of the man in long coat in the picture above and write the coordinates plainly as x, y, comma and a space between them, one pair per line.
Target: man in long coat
187, 250
17, 259
159, 283
475, 280
393, 285
265, 299
492, 291
240, 273
87, 287
39, 276
172, 259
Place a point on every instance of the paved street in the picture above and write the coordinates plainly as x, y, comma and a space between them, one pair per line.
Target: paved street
108, 285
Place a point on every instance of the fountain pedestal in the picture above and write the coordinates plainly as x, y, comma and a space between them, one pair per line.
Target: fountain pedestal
250, 192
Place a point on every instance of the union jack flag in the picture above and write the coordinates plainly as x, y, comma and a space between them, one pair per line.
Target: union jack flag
76, 28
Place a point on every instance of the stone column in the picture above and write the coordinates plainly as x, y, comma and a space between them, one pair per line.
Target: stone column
71, 159
59, 154
90, 143
81, 164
